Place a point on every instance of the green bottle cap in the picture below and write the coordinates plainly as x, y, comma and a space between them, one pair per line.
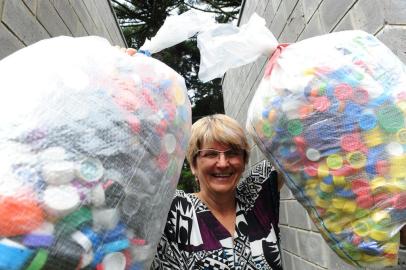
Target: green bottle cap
391, 118
295, 127
71, 222
39, 260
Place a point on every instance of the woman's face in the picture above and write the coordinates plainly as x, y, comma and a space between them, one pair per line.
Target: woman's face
218, 172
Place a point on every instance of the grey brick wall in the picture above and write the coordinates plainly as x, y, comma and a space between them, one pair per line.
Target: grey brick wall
24, 22
291, 21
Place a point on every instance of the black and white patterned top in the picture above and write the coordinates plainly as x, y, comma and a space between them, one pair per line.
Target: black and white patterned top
195, 239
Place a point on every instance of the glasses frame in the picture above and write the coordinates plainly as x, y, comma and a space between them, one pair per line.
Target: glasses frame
239, 154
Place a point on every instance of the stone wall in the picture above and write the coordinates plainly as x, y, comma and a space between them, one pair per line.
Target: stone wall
24, 22
291, 21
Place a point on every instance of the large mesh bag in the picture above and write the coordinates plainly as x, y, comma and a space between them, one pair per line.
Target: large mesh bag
92, 142
330, 114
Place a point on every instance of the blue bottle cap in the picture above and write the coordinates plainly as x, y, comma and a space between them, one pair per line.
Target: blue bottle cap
117, 233
371, 248
115, 246
345, 193
94, 237
14, 257
38, 240
367, 121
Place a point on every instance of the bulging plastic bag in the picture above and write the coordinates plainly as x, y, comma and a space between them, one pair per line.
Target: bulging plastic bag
92, 142
330, 114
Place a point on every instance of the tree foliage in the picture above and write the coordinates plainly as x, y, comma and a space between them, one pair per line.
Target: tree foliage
141, 19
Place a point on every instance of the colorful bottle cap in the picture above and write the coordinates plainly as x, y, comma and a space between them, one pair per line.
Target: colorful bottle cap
82, 240
39, 260
345, 170
97, 196
61, 200
371, 248
90, 170
345, 193
58, 172
360, 96
322, 171
390, 118
367, 121
360, 186
114, 261
365, 201
321, 103
13, 257
361, 227
349, 206
401, 136
373, 137
334, 161
115, 246
312, 154
351, 142
381, 218
38, 240
71, 222
382, 167
19, 215
343, 91
339, 181
379, 234
394, 149
295, 127
378, 184
118, 232
356, 159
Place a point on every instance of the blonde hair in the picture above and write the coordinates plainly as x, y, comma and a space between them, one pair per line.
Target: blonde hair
216, 128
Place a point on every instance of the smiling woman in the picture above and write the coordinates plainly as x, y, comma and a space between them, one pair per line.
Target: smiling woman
229, 223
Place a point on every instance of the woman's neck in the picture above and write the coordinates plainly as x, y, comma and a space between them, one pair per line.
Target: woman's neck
223, 203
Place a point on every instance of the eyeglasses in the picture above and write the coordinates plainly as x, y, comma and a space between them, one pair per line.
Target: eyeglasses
213, 154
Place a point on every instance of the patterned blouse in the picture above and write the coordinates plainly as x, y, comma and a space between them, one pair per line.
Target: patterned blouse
195, 239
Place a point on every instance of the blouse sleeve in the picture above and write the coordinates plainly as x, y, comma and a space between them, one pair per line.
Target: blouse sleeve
259, 191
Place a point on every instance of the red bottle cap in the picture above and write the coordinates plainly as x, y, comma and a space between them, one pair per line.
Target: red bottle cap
343, 91
351, 142
360, 186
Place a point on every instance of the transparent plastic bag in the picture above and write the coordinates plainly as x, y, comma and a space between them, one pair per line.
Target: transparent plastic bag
92, 142
330, 114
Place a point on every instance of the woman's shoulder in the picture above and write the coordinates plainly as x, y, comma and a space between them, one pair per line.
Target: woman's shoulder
255, 181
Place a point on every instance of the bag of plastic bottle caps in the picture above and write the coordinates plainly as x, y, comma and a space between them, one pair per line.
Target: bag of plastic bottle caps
330, 114
92, 142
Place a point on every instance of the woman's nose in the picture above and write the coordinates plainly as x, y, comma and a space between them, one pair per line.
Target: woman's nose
222, 160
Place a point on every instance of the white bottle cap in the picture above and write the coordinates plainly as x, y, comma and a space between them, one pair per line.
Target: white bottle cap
114, 261
90, 170
82, 240
169, 142
58, 172
394, 149
60, 200
312, 154
105, 218
53, 154
98, 197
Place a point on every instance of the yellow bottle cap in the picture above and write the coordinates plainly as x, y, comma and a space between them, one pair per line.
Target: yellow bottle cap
379, 234
334, 161
339, 180
356, 159
361, 227
401, 135
322, 170
350, 206
378, 184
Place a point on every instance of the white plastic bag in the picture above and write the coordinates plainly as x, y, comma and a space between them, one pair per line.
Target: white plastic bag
225, 46
92, 142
